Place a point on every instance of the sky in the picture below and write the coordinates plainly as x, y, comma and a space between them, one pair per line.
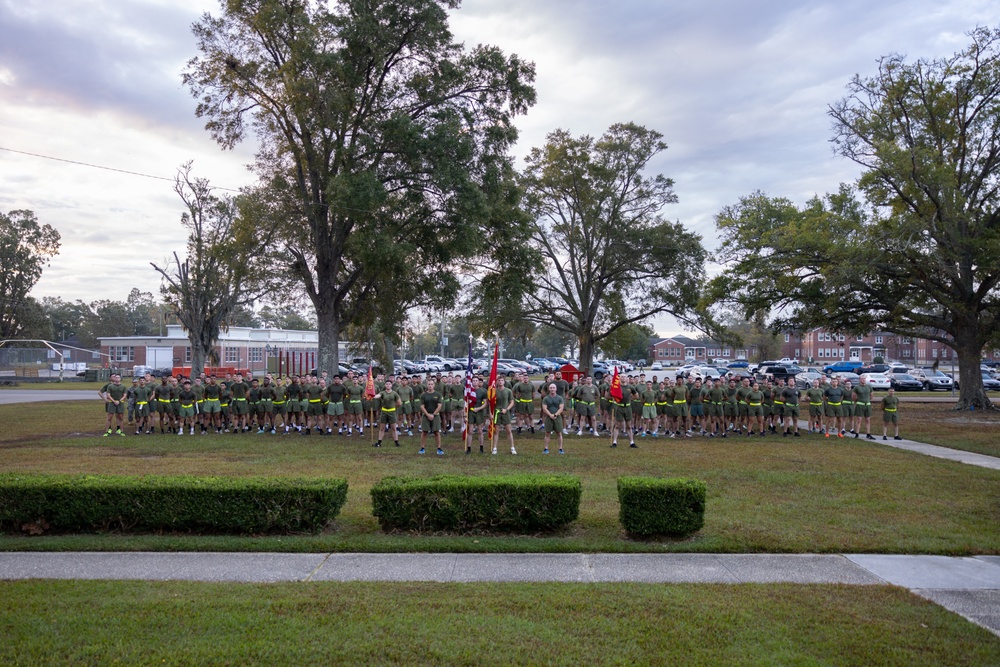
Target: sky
739, 90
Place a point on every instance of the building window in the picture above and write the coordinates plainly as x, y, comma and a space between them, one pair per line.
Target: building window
934, 353
907, 353
187, 355
725, 352
122, 353
797, 353
255, 355
878, 340
232, 355
787, 337
861, 339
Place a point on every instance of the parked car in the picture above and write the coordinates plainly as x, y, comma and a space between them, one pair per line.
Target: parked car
843, 367
873, 368
776, 372
845, 376
507, 369
933, 379
990, 383
739, 363
704, 372
804, 380
657, 366
879, 381
904, 382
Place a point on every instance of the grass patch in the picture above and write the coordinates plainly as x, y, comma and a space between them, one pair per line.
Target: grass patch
773, 495
86, 622
940, 424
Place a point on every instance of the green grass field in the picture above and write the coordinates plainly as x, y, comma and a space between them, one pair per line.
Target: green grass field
86, 622
764, 495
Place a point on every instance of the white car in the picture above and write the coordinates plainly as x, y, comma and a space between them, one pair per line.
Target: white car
877, 381
704, 372
657, 366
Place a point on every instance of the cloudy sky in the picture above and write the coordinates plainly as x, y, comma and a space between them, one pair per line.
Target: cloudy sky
739, 90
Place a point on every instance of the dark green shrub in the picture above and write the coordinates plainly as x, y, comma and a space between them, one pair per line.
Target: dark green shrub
233, 505
655, 506
511, 503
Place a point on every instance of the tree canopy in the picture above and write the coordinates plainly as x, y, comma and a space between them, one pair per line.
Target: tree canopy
914, 249
26, 247
608, 258
383, 145
221, 272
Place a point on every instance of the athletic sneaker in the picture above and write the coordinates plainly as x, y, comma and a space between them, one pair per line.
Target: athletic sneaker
614, 444
894, 437
513, 451
440, 452
421, 451
119, 432
884, 438
545, 451
561, 451
180, 432
634, 446
494, 451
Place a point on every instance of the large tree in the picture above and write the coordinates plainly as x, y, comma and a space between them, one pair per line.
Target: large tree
609, 259
383, 143
221, 273
25, 250
919, 254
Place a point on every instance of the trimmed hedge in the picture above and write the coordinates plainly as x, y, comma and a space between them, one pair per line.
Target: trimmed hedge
511, 503
232, 505
656, 506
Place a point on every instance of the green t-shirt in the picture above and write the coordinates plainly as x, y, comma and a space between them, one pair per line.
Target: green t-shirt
240, 389
790, 395
389, 399
141, 394
815, 395
755, 397
212, 390
116, 391
504, 397
863, 393
648, 397
890, 403
430, 400
587, 394
834, 394
553, 403
405, 393
680, 393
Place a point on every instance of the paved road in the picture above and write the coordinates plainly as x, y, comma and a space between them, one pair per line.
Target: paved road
8, 396
967, 586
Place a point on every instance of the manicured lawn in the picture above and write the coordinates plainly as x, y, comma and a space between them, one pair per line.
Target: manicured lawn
87, 622
941, 424
764, 495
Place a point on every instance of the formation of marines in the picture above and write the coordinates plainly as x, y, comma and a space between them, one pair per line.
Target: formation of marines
436, 405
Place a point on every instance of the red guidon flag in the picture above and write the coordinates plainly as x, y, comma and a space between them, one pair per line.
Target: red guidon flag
370, 385
616, 387
491, 391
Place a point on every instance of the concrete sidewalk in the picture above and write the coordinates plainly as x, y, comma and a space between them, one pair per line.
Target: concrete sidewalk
967, 586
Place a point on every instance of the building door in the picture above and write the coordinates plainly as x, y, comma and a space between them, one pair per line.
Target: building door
160, 357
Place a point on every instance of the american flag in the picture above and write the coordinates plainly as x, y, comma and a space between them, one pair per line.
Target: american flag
470, 393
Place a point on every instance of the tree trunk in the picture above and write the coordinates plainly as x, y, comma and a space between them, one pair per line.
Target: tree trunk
586, 341
971, 395
328, 355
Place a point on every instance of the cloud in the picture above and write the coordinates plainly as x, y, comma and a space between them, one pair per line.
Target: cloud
738, 89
